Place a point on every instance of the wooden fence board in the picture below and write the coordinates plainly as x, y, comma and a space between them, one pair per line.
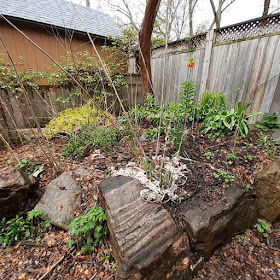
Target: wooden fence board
273, 78
245, 69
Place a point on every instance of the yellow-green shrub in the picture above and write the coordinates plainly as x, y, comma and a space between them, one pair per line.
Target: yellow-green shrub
70, 119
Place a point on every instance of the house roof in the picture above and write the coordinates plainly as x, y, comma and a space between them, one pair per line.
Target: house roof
60, 13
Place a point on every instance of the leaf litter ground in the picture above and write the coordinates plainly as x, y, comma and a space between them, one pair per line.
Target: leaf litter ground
248, 256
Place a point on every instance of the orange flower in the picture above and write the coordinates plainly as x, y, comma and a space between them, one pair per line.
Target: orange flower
191, 62
111, 124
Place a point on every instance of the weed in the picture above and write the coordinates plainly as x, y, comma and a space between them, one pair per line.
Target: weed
28, 167
91, 227
89, 139
232, 156
269, 122
262, 140
225, 176
240, 238
18, 228
247, 158
272, 151
208, 154
263, 227
211, 104
152, 133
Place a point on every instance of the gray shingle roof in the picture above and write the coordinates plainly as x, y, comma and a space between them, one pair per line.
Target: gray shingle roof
60, 13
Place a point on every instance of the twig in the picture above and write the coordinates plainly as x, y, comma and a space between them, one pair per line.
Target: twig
93, 276
50, 270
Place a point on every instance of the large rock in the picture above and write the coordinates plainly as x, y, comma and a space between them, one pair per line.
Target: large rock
268, 191
14, 192
146, 242
61, 199
209, 227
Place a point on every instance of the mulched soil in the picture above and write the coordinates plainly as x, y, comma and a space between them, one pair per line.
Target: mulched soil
248, 256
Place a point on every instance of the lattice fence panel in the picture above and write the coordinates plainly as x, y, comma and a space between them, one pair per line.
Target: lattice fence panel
196, 42
249, 29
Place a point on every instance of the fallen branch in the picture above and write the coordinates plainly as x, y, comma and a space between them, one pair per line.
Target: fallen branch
51, 269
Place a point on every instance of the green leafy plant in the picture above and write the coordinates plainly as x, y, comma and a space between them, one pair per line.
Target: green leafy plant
211, 104
263, 140
9, 78
263, 227
208, 154
224, 176
16, 229
28, 167
90, 229
232, 157
241, 238
247, 158
269, 122
234, 122
152, 133
89, 139
187, 98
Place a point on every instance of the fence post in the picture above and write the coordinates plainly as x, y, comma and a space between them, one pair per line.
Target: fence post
206, 62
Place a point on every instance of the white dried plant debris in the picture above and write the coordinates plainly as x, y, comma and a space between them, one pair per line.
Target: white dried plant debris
155, 191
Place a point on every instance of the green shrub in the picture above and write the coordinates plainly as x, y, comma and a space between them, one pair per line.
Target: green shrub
210, 105
89, 139
70, 119
91, 227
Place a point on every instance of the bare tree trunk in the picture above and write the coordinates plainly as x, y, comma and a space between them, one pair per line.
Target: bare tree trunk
192, 4
145, 42
88, 3
266, 7
190, 18
218, 12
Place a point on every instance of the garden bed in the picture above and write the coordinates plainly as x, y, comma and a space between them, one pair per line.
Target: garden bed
240, 160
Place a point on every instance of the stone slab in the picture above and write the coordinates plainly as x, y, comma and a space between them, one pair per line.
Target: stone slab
146, 242
209, 226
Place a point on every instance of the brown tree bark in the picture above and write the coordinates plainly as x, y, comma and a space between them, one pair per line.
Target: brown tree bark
145, 42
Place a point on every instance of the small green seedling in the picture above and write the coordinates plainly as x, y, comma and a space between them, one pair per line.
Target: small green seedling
263, 227
208, 154
225, 176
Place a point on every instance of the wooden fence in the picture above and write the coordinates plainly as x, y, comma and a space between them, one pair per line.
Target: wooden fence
241, 60
16, 109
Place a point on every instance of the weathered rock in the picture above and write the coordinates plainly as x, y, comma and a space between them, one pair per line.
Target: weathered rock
61, 199
268, 191
14, 192
146, 241
209, 227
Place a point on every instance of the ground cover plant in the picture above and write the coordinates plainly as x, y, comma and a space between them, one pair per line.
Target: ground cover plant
90, 138
70, 119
